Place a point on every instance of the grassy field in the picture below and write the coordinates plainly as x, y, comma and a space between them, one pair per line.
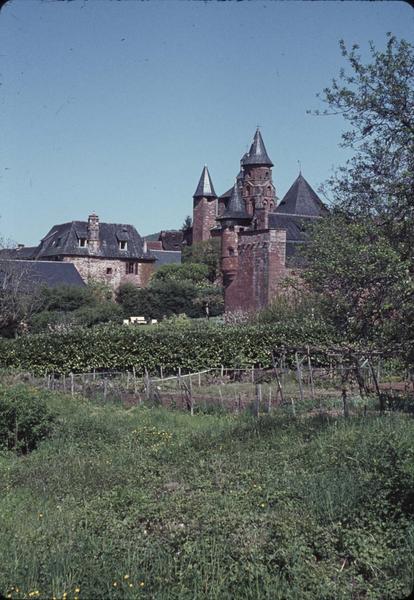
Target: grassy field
150, 503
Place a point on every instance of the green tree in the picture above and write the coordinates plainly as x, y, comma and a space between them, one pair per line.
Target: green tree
361, 260
363, 283
377, 102
206, 253
191, 272
187, 225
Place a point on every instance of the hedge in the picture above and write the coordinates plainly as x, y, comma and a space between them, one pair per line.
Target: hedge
121, 348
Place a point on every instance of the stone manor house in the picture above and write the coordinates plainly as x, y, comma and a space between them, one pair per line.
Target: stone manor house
259, 237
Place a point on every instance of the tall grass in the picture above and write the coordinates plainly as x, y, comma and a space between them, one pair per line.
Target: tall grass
156, 504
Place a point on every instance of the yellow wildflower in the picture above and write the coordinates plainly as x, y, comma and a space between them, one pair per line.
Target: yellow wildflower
77, 590
141, 584
126, 576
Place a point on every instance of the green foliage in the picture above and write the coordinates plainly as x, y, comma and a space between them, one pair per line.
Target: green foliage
377, 101
375, 186
294, 305
363, 284
160, 504
173, 291
187, 225
25, 418
67, 306
66, 298
121, 347
206, 253
188, 272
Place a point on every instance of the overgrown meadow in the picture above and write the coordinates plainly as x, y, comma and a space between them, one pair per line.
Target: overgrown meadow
150, 503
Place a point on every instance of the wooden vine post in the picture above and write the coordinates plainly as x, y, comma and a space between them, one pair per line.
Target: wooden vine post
299, 375
312, 386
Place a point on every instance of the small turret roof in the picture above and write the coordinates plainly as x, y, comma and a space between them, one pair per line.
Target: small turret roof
257, 154
205, 188
302, 200
235, 208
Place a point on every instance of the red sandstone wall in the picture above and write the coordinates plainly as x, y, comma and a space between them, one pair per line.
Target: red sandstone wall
260, 269
204, 218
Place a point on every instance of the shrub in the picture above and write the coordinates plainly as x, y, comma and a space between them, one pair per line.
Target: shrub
192, 348
25, 418
169, 297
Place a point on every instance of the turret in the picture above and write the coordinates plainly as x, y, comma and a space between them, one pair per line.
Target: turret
204, 207
258, 188
233, 219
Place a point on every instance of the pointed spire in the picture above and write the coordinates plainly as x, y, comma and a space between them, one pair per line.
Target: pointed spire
257, 154
205, 188
235, 208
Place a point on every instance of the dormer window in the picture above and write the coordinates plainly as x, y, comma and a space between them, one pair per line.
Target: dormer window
123, 245
57, 242
82, 242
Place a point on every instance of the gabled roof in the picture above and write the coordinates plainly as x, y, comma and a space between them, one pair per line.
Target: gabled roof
257, 154
235, 208
205, 188
301, 199
64, 240
35, 273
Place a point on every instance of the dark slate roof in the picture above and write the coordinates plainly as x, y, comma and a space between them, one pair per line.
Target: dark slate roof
205, 188
166, 257
19, 253
171, 239
235, 208
257, 154
227, 194
301, 199
35, 273
64, 240
296, 226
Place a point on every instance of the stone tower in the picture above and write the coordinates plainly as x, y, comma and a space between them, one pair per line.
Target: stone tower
233, 220
204, 208
258, 190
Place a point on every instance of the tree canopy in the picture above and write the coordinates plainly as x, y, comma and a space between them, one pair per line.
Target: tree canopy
377, 101
360, 260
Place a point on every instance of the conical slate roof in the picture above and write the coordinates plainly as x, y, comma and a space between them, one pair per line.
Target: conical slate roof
302, 200
205, 188
257, 154
235, 208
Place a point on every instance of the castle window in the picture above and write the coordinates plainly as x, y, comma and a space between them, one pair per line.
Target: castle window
109, 271
82, 242
123, 245
131, 268
231, 251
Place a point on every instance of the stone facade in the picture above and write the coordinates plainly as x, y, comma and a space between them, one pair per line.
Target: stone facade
113, 272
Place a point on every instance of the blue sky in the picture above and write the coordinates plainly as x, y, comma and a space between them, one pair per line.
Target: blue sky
114, 107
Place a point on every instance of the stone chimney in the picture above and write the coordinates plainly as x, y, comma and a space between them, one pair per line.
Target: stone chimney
93, 233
